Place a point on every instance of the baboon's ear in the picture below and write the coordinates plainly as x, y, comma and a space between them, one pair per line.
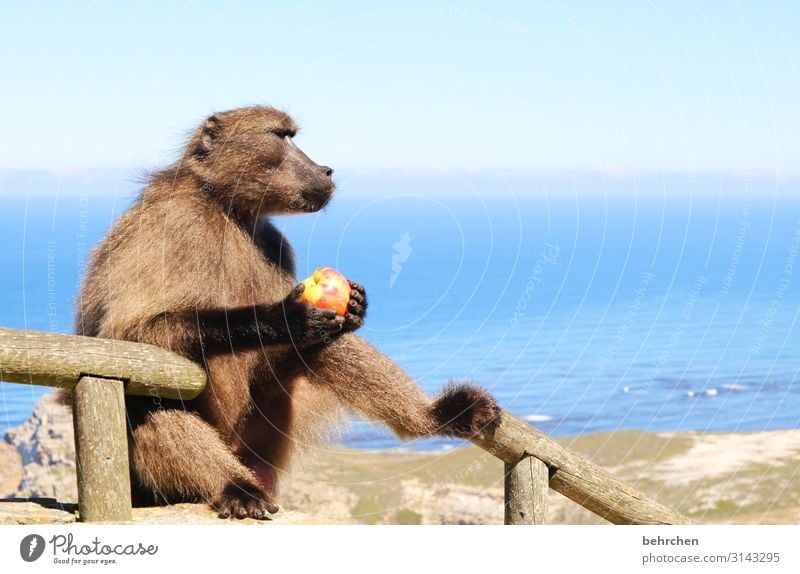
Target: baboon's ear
212, 129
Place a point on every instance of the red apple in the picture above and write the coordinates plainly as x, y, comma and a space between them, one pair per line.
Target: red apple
328, 289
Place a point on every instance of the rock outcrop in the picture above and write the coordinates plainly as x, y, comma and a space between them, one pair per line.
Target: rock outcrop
10, 469
45, 445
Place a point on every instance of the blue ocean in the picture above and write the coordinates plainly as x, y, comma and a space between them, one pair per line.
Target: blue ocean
583, 305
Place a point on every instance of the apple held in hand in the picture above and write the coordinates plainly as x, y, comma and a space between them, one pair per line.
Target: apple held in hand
328, 289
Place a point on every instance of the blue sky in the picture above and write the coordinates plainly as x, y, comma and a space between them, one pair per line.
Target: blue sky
611, 86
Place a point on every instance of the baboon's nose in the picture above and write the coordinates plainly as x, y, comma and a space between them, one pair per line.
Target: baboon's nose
328, 171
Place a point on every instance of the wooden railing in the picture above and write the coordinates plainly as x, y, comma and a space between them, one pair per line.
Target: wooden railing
101, 371
534, 461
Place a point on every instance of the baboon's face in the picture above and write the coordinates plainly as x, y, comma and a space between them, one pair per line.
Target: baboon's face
247, 158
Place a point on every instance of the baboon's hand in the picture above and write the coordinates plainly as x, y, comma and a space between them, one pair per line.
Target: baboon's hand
307, 323
356, 308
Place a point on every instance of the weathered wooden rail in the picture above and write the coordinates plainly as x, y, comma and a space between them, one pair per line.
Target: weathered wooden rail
101, 371
534, 461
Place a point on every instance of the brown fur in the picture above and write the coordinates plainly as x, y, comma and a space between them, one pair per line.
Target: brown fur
195, 267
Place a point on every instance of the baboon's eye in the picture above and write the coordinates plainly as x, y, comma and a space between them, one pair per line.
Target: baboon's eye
284, 133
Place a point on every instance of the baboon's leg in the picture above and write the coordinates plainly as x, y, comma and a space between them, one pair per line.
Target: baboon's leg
266, 439
290, 415
367, 381
177, 457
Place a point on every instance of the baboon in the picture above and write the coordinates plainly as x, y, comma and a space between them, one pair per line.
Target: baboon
195, 266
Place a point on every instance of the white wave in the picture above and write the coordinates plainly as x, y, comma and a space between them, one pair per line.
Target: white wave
712, 392
734, 387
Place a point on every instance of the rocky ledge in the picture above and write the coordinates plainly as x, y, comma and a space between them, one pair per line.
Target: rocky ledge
49, 511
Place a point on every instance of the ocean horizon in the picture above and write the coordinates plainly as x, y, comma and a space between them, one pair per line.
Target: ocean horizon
581, 312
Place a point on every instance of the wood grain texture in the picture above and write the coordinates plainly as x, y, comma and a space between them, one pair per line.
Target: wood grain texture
526, 491
576, 478
101, 450
58, 360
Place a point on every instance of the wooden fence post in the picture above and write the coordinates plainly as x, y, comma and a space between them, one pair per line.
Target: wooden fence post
526, 490
101, 445
578, 479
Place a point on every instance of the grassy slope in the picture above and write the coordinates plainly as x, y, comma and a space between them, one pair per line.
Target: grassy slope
465, 484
